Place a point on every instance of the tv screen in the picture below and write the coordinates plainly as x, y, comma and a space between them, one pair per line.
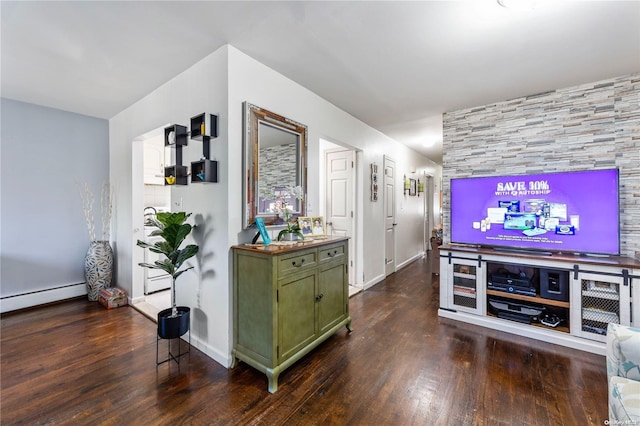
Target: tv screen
559, 212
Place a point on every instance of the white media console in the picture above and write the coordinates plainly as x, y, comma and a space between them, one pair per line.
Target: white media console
564, 299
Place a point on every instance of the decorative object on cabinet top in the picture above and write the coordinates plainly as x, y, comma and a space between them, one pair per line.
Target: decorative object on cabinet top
283, 206
284, 246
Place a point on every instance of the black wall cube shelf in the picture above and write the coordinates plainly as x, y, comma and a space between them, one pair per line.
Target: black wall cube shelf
204, 127
204, 171
175, 135
175, 175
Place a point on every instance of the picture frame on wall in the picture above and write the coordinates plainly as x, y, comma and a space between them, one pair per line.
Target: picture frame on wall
374, 182
413, 187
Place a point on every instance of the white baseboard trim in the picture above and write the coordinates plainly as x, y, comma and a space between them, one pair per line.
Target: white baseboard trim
408, 261
379, 278
373, 281
28, 300
216, 355
134, 300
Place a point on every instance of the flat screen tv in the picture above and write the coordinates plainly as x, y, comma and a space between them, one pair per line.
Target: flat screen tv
572, 212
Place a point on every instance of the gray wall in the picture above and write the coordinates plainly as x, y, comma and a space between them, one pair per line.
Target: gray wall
44, 153
584, 127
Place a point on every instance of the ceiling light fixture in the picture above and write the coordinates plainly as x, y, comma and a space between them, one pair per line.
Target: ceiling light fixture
518, 4
429, 141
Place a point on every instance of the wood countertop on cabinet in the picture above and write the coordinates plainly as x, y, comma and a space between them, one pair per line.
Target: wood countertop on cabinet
280, 247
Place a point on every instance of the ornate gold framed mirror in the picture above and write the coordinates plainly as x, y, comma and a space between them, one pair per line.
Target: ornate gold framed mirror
275, 160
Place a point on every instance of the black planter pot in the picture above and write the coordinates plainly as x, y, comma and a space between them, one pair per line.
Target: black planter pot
171, 328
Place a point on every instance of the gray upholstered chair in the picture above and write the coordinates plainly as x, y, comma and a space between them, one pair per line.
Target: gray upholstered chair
623, 374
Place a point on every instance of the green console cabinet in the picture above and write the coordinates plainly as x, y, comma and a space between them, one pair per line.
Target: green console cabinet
287, 299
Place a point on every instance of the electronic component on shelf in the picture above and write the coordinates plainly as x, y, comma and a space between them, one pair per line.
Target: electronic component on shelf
521, 312
514, 316
512, 283
550, 320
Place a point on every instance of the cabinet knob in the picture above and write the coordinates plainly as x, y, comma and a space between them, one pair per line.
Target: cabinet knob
319, 297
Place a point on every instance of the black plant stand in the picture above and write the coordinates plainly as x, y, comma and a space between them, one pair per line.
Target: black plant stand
173, 328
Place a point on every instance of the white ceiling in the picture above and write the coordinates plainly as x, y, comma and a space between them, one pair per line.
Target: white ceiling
395, 65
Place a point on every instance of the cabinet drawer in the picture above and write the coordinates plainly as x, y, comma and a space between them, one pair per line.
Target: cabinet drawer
297, 262
331, 253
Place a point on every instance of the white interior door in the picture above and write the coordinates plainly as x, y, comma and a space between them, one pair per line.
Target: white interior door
340, 194
389, 216
427, 213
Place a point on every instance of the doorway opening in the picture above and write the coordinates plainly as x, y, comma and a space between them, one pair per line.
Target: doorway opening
149, 294
339, 190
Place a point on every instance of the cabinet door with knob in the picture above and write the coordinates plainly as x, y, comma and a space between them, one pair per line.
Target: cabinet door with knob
154, 162
287, 300
297, 300
333, 286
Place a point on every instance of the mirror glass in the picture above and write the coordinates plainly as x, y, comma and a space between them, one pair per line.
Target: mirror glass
275, 162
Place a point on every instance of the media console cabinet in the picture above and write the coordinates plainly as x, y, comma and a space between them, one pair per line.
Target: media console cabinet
564, 299
287, 300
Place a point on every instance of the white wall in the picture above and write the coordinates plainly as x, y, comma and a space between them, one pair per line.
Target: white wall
219, 84
252, 81
201, 88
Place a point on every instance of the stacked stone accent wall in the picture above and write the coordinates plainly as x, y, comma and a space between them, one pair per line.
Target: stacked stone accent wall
278, 167
591, 126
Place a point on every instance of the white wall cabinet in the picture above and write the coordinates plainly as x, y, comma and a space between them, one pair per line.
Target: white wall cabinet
595, 292
154, 161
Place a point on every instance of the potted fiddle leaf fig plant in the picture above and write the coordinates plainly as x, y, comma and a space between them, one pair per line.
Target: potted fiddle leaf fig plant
171, 227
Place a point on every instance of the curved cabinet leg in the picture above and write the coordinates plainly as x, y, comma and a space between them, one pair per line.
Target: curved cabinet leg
349, 327
273, 380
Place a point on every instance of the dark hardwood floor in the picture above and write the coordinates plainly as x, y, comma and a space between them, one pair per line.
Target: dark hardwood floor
77, 363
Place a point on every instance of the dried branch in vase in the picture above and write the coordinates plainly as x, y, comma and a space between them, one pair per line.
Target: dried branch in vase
106, 209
